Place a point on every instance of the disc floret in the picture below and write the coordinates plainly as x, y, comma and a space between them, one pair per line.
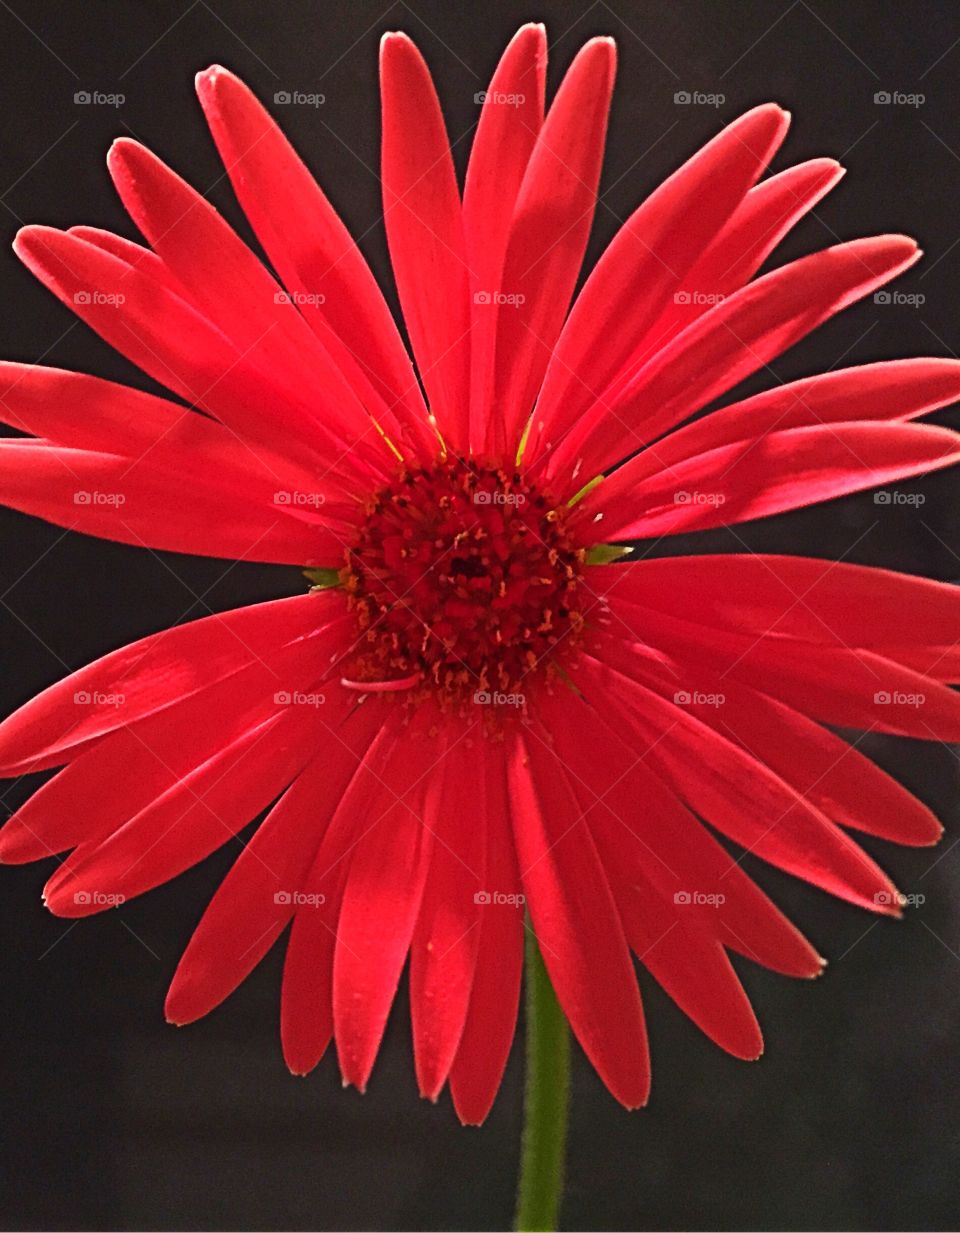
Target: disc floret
464, 581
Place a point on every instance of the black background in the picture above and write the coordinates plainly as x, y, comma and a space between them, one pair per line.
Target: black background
110, 1118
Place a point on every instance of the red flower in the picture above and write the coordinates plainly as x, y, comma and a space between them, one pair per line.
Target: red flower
475, 710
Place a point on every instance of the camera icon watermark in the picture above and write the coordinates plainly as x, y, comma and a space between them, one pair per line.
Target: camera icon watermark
897, 697
298, 98
698, 98
898, 98
98, 899
285, 697
84, 697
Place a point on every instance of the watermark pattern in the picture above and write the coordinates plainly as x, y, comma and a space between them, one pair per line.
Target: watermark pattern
99, 899
896, 697
308, 299
706, 298
95, 697
699, 498
113, 298
486, 697
699, 899
299, 498
483, 497
489, 898
898, 98
286, 697
298, 98
509, 299
891, 496
698, 98
499, 98
889, 898
83, 497
914, 299
697, 697
98, 98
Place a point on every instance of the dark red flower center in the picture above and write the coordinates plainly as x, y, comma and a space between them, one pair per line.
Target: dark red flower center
464, 580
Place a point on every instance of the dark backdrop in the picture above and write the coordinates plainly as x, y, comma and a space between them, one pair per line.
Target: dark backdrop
112, 1119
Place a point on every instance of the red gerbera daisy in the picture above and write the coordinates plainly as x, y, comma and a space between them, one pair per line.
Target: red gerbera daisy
475, 710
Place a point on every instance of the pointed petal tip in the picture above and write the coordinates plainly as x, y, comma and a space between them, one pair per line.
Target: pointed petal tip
209, 75
30, 235
122, 150
395, 40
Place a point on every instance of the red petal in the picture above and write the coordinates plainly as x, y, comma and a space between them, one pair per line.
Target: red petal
510, 119
758, 225
495, 996
549, 234
264, 889
576, 921
167, 338
388, 869
893, 390
314, 254
228, 284
845, 686
763, 476
118, 776
83, 412
149, 675
633, 812
693, 968
724, 346
645, 263
741, 796
443, 955
107, 496
306, 1008
421, 206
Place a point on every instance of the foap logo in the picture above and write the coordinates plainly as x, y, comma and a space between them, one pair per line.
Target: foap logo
99, 899
490, 898
300, 499
896, 697
698, 297
898, 98
99, 498
697, 697
294, 697
699, 498
700, 899
310, 299
895, 898
499, 98
113, 298
483, 497
298, 98
95, 697
913, 299
891, 496
485, 697
298, 899
698, 98
510, 299
98, 98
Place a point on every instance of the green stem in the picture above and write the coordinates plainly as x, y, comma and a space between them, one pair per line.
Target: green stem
546, 1103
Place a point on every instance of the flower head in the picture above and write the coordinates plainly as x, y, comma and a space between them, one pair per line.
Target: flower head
478, 710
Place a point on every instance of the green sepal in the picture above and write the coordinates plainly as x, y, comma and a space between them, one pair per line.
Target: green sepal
323, 579
604, 554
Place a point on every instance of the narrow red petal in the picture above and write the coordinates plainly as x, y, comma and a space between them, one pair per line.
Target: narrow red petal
421, 206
